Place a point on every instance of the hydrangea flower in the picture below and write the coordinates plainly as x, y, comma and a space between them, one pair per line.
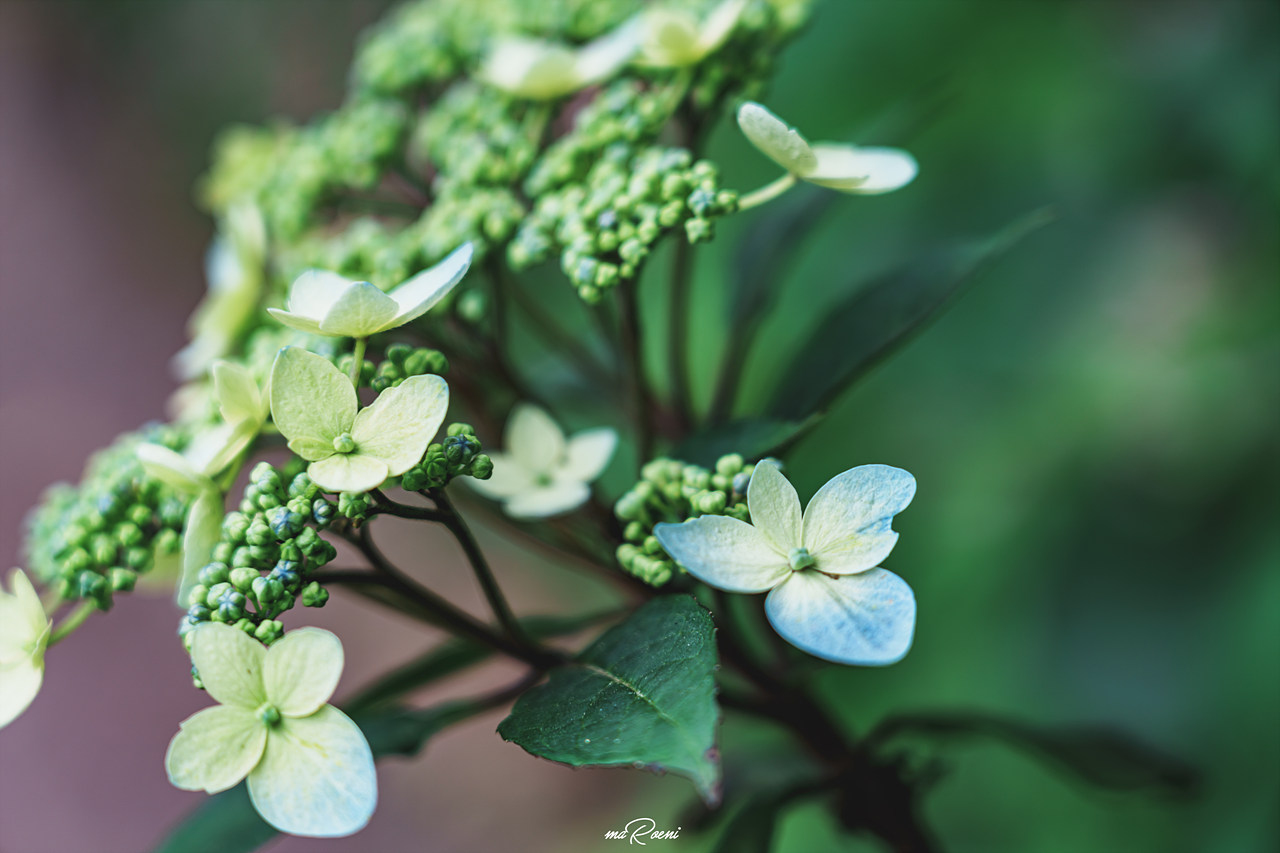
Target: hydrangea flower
544, 70
351, 449
325, 303
673, 38
847, 168
827, 595
309, 766
542, 473
233, 270
244, 411
24, 633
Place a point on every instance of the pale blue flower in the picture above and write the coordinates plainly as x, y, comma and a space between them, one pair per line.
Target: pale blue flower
827, 594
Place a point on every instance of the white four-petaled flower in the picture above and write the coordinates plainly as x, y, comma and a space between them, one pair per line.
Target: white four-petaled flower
542, 473
309, 766
325, 303
847, 168
24, 633
827, 594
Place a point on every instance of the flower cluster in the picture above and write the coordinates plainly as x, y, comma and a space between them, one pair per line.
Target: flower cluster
457, 456
92, 540
267, 549
669, 491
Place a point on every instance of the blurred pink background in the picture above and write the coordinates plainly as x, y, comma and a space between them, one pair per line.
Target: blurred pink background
101, 253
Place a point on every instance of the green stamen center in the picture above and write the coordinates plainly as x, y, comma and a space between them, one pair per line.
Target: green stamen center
344, 443
800, 558
268, 714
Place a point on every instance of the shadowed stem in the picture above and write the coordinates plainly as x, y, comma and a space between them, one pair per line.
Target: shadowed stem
678, 352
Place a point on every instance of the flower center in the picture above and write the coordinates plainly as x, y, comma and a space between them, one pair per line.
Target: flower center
542, 480
800, 558
344, 443
268, 714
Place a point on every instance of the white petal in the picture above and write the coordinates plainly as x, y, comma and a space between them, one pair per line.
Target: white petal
546, 501
348, 472
215, 749
200, 534
534, 439
780, 143
316, 291
530, 68
724, 552
28, 610
229, 664
302, 670
670, 37
866, 619
862, 171
399, 425
206, 452
170, 467
587, 454
19, 684
296, 321
316, 777
775, 507
719, 24
419, 294
600, 59
509, 478
847, 524
361, 310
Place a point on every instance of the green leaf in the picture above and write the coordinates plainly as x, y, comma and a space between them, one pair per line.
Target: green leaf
751, 828
228, 822
641, 695
755, 438
883, 315
1098, 756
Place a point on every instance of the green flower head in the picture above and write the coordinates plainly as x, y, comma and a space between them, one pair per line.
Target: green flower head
24, 633
352, 450
309, 766
846, 168
325, 303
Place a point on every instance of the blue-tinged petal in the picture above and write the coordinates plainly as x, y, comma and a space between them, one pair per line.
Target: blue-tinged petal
724, 552
215, 749
775, 507
866, 619
316, 777
847, 524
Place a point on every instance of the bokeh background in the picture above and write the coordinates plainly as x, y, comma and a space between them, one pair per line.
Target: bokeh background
1093, 427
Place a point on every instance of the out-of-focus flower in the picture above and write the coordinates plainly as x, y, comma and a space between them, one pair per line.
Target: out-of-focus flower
827, 595
541, 473
544, 70
24, 633
673, 38
309, 766
846, 168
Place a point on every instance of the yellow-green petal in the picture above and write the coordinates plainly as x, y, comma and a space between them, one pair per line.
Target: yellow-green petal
19, 683
171, 468
774, 507
302, 670
316, 777
199, 536
349, 472
229, 664
215, 748
401, 422
310, 398
237, 393
360, 311
534, 439
419, 294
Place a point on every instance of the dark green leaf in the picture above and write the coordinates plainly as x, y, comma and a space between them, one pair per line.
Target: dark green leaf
751, 828
768, 248
456, 655
642, 695
1101, 757
881, 316
228, 822
754, 439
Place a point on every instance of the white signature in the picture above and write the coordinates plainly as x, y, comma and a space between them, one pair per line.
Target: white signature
641, 828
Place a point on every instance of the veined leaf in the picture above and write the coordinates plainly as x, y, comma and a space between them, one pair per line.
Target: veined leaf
642, 695
883, 315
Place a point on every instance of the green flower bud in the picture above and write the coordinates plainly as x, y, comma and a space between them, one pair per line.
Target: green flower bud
269, 631
215, 594
121, 579
242, 578
729, 465
197, 594
314, 595
710, 503
214, 573
267, 590
482, 467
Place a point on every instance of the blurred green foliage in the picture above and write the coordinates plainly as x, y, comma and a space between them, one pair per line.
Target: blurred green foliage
1093, 427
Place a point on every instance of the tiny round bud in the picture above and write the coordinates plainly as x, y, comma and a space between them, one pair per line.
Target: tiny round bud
344, 443
242, 578
314, 595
